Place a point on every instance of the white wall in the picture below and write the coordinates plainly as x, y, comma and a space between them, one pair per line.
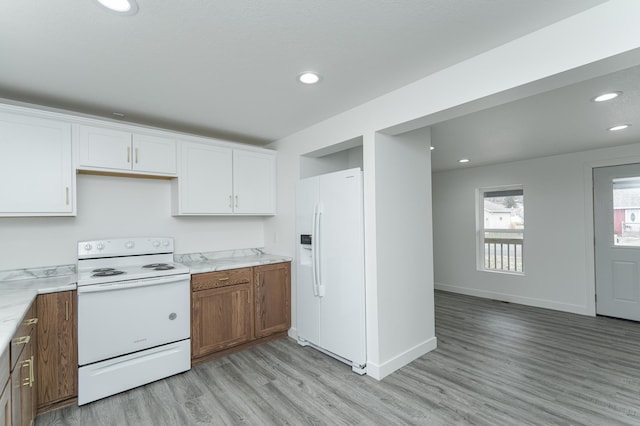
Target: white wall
520, 68
558, 242
119, 207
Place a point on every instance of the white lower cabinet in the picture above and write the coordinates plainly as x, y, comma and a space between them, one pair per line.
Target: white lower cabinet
218, 180
36, 167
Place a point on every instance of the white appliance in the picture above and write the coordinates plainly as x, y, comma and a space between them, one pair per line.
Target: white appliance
330, 269
133, 315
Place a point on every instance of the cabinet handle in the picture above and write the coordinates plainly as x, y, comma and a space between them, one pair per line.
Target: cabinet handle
31, 321
223, 279
136, 155
236, 201
66, 310
21, 340
67, 193
248, 298
128, 154
230, 201
32, 374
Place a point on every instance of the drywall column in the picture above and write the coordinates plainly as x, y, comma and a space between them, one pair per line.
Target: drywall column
403, 317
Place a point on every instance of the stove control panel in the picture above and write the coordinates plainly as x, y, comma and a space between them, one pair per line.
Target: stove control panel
124, 247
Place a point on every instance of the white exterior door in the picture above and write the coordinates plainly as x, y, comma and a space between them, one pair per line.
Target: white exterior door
616, 194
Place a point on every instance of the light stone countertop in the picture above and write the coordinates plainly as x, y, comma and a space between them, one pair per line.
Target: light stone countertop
199, 263
19, 288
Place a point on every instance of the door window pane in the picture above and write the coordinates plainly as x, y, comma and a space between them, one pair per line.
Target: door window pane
626, 211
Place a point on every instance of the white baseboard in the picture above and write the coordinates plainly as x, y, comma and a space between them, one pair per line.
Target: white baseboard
293, 333
522, 300
380, 371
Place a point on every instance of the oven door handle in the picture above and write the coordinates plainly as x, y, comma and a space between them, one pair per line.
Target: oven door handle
96, 288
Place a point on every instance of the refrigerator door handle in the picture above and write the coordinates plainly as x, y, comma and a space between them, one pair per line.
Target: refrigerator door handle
318, 257
314, 251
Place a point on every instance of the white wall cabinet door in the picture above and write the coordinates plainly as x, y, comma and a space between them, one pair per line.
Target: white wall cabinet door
154, 154
254, 182
205, 180
105, 148
121, 151
36, 168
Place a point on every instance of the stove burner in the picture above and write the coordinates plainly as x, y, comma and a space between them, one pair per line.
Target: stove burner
164, 268
155, 265
159, 266
109, 272
103, 270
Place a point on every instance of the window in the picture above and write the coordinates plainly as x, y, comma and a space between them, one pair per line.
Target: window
501, 229
626, 209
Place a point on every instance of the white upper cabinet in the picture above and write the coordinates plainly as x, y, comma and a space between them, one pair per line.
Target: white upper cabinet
254, 182
121, 151
205, 180
218, 180
36, 167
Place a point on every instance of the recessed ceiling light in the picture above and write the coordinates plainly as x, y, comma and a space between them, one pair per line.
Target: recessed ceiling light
432, 148
463, 160
122, 7
118, 114
618, 127
606, 96
309, 77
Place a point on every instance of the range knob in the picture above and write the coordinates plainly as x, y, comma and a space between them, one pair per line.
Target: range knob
88, 246
165, 243
156, 243
129, 244
100, 246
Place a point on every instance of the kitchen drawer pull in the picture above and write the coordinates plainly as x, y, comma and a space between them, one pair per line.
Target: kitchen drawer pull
31, 321
32, 371
223, 279
22, 340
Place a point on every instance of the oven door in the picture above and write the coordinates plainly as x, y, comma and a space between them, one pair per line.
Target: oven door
128, 316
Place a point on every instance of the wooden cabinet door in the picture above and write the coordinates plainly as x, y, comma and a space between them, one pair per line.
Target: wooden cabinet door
272, 298
154, 154
35, 167
57, 359
205, 181
254, 182
5, 404
221, 318
105, 148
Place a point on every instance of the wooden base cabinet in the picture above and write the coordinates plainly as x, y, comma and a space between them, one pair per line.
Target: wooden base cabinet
238, 308
23, 384
273, 298
5, 404
57, 350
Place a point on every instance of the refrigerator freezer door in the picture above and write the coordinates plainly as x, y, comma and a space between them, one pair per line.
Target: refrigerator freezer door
308, 305
341, 245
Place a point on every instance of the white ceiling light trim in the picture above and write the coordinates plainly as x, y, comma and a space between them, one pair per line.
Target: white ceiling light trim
619, 127
122, 7
606, 97
309, 77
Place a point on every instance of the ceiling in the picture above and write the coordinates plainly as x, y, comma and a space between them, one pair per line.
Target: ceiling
556, 122
228, 68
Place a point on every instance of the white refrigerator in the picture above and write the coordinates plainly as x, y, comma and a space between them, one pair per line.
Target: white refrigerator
330, 268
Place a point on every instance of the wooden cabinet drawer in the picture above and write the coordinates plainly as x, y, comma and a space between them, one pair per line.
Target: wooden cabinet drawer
211, 280
23, 335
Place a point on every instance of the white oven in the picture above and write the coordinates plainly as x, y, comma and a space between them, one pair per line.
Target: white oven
133, 315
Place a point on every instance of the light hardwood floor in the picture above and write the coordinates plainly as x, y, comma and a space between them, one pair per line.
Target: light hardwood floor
496, 364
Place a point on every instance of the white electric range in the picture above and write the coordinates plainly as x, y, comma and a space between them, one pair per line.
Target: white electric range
133, 315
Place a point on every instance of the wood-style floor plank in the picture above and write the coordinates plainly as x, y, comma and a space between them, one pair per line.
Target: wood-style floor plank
496, 364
